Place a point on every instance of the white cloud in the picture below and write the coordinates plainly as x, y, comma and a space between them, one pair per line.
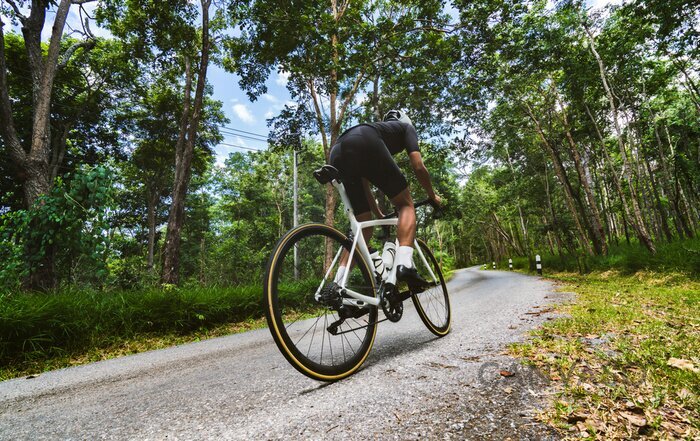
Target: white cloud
240, 141
360, 98
282, 78
243, 113
271, 98
599, 4
269, 114
223, 151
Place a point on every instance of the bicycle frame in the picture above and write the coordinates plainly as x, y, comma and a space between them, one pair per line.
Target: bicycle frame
359, 245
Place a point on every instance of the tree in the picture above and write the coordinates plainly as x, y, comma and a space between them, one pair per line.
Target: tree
149, 173
68, 88
333, 51
169, 35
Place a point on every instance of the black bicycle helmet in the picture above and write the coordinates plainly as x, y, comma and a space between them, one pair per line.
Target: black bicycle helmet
397, 115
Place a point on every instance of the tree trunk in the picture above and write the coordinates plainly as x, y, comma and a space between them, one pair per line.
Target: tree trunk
559, 170
33, 162
523, 226
666, 186
152, 201
596, 226
183, 157
639, 222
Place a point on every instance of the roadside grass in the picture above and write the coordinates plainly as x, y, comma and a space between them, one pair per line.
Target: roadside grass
44, 331
624, 358
119, 346
682, 256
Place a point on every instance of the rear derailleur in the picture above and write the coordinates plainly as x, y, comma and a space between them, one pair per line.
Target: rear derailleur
330, 296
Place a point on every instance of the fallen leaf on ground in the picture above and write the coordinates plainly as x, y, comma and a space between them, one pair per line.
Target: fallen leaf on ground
441, 365
684, 393
635, 420
508, 390
577, 417
598, 425
507, 373
680, 363
675, 428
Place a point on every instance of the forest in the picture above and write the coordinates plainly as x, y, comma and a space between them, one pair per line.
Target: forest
548, 127
567, 129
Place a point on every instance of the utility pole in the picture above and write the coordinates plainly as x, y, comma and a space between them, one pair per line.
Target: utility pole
296, 210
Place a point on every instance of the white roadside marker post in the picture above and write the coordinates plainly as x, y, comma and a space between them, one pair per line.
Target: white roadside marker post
538, 261
510, 264
494, 265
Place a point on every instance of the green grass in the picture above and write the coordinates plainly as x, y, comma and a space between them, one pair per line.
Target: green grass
611, 356
41, 331
679, 256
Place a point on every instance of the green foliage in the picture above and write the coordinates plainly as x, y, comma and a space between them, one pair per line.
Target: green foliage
678, 256
13, 268
39, 326
254, 209
614, 349
70, 224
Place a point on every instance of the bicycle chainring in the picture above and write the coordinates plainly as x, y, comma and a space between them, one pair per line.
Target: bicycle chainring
392, 304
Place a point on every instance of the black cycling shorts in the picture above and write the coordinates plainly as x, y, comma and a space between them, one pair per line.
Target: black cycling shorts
361, 153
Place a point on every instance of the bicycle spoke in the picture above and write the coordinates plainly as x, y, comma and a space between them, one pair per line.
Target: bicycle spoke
307, 331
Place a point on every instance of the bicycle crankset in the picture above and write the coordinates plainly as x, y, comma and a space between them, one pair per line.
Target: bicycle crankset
392, 304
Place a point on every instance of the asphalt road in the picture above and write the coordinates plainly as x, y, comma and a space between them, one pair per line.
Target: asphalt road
413, 385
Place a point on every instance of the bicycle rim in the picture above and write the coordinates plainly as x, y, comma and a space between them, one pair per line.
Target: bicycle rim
299, 321
433, 304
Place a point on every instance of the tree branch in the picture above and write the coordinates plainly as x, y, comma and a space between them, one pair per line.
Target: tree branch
350, 96
87, 45
7, 124
15, 8
319, 115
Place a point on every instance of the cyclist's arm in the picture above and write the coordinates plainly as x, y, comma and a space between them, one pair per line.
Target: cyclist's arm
373, 207
423, 175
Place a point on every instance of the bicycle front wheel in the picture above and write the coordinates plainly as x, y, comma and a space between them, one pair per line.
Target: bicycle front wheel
433, 304
321, 333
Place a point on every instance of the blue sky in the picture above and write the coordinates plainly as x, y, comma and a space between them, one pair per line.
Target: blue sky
243, 114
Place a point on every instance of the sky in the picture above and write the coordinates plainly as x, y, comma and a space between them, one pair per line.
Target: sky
247, 128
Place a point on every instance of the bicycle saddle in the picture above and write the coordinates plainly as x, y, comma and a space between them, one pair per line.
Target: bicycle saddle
326, 174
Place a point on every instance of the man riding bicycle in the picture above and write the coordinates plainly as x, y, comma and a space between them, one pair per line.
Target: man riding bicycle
364, 154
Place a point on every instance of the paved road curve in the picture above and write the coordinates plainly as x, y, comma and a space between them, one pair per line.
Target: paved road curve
412, 386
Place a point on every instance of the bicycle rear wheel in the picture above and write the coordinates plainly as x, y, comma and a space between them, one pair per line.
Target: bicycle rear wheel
304, 311
433, 304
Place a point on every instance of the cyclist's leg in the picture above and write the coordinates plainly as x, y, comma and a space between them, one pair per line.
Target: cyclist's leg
346, 156
388, 177
406, 229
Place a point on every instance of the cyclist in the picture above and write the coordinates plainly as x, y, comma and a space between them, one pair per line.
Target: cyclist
363, 154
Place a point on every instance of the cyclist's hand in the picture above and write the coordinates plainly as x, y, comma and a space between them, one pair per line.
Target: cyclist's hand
436, 201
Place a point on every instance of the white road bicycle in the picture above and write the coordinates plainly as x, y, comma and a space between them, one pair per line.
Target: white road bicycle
326, 329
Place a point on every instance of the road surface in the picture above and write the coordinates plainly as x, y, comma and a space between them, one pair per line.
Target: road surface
412, 386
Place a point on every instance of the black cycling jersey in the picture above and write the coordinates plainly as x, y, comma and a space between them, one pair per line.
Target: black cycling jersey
365, 151
396, 135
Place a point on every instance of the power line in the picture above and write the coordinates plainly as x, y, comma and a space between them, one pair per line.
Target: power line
242, 136
240, 147
243, 131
